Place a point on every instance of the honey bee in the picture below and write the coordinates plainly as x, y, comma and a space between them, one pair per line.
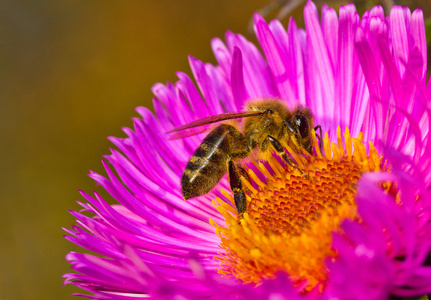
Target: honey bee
268, 125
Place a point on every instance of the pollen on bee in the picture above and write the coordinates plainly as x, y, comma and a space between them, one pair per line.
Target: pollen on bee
290, 218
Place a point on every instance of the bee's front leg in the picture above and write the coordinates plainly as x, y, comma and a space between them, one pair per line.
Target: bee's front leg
319, 136
279, 148
236, 187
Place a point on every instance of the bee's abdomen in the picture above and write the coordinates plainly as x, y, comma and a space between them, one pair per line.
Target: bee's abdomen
208, 164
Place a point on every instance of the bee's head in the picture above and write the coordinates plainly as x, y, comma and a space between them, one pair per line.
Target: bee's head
299, 126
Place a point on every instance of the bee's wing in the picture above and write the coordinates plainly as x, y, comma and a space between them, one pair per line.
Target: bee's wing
202, 125
189, 132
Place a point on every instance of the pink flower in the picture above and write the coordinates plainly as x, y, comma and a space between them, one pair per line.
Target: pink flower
367, 74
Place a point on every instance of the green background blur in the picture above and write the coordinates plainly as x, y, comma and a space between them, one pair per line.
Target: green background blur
71, 74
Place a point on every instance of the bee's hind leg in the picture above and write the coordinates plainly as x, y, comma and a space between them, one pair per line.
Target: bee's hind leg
240, 198
279, 148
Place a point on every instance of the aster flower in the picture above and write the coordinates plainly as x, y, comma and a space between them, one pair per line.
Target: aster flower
358, 227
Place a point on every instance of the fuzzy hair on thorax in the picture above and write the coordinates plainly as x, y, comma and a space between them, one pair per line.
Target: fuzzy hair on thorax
274, 124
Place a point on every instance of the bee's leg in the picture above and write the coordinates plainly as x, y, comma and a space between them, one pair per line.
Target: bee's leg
279, 148
319, 136
236, 187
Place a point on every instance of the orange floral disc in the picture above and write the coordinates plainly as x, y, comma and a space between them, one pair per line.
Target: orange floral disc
290, 218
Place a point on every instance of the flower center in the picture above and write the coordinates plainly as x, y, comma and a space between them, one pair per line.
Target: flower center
290, 218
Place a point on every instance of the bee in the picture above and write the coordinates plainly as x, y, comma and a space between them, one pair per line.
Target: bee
267, 125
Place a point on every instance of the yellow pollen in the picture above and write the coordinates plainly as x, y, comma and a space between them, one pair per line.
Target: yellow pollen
290, 218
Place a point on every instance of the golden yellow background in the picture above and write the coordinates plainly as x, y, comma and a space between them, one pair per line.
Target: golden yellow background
71, 74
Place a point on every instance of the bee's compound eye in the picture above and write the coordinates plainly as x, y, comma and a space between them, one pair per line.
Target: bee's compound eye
302, 125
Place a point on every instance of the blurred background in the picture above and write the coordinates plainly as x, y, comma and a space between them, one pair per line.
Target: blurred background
71, 74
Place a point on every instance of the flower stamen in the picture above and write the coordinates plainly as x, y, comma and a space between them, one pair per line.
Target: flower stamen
290, 218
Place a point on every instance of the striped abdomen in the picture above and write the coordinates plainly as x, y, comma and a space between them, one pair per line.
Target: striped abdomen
209, 162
